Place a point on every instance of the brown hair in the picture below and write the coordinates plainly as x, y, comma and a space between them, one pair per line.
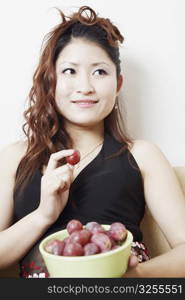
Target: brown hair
44, 124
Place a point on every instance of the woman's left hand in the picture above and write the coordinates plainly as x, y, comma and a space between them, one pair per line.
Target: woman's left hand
132, 264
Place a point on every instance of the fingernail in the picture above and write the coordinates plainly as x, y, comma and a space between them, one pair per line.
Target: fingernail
71, 166
69, 152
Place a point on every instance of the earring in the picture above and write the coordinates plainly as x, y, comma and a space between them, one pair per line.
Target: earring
116, 103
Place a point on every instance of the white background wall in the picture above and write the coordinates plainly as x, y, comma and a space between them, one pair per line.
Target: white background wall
153, 61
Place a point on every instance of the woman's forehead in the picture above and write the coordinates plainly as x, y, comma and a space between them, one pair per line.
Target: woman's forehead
79, 50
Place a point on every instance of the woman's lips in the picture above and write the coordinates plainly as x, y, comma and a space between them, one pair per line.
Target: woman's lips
85, 103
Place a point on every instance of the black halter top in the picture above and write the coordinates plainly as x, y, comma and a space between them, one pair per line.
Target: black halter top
107, 190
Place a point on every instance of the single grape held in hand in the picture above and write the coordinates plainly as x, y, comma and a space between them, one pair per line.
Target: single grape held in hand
74, 158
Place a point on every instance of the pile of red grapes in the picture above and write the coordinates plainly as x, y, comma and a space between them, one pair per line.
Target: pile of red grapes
88, 240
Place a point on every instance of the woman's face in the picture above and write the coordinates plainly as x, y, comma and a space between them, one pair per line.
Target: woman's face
87, 84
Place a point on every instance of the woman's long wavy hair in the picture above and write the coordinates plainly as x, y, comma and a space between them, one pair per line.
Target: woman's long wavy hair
44, 128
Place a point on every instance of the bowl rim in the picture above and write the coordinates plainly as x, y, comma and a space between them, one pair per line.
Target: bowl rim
126, 243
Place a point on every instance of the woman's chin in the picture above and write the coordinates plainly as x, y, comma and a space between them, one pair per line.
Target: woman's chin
85, 123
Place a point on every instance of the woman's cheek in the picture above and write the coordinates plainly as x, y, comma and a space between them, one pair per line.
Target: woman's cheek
63, 90
110, 86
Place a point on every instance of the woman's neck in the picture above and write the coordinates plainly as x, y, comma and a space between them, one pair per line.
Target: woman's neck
85, 138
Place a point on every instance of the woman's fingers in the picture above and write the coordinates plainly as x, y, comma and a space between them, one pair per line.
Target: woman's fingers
62, 183
67, 168
58, 179
55, 157
55, 185
133, 261
52, 183
65, 173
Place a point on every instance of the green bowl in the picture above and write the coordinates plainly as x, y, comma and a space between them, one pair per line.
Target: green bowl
109, 264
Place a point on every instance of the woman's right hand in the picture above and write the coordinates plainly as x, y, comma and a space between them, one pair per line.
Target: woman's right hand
55, 184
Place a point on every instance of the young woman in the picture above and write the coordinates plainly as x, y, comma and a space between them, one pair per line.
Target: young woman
74, 105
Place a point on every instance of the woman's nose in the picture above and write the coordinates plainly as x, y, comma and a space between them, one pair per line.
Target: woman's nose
84, 85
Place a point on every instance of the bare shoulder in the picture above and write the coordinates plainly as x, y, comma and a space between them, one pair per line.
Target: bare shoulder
144, 146
148, 155
11, 155
16, 149
162, 190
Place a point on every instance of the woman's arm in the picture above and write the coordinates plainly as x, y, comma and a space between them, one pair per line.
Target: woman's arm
169, 264
166, 203
17, 239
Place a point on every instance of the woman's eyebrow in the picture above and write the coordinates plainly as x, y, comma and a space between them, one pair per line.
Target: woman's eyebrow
99, 63
75, 64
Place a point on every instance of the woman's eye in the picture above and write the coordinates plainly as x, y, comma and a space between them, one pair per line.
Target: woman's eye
68, 71
101, 72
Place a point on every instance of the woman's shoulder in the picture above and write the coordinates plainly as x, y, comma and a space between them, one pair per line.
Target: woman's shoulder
16, 148
11, 155
147, 154
140, 145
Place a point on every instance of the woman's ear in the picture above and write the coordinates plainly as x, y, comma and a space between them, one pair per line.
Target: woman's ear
119, 83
